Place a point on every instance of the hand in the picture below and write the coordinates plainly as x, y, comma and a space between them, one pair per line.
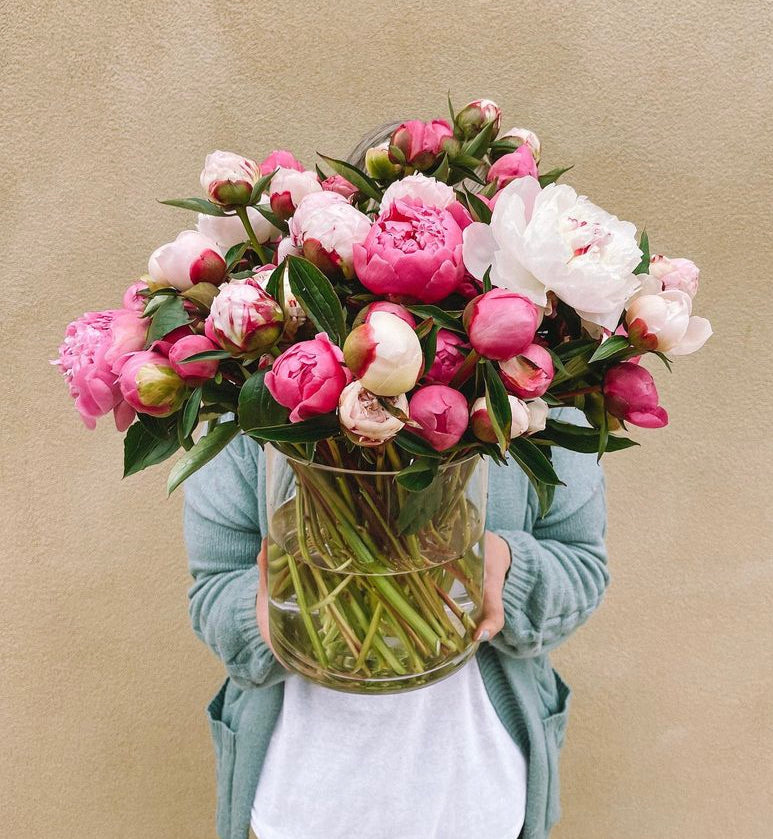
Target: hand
497, 564
262, 599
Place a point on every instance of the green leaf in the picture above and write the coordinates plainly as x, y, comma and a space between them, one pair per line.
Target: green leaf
422, 505
397, 153
415, 445
441, 170
355, 176
419, 475
451, 110
190, 413
207, 355
664, 358
578, 438
317, 296
202, 294
487, 280
533, 461
198, 205
162, 428
204, 450
461, 172
498, 406
480, 210
275, 286
260, 187
553, 175
257, 407
557, 362
168, 316
644, 244
235, 254
141, 449
444, 319
478, 145
307, 431
272, 217
610, 347
429, 347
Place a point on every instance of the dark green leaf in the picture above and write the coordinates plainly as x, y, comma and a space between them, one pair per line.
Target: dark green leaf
169, 315
275, 286
487, 280
441, 170
451, 110
429, 346
553, 175
397, 155
257, 407
162, 428
478, 145
190, 413
480, 210
441, 318
235, 254
603, 434
419, 475
142, 449
422, 504
461, 172
423, 329
415, 445
204, 450
355, 176
272, 217
317, 296
198, 205
498, 406
533, 461
610, 347
644, 244
664, 358
579, 438
260, 187
207, 355
308, 431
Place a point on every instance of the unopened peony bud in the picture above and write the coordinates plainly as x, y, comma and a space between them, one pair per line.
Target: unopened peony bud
450, 351
295, 315
244, 319
518, 137
228, 178
471, 119
339, 185
364, 418
379, 165
517, 164
384, 354
481, 421
150, 385
288, 187
364, 315
421, 143
529, 374
501, 323
192, 258
442, 416
630, 394
663, 322
195, 372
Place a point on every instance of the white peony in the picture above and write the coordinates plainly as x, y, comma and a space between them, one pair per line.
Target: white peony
551, 239
428, 191
228, 231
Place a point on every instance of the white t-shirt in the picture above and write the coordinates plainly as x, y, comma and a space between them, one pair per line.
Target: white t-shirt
433, 763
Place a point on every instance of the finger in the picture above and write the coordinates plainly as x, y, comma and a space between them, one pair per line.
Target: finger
263, 558
492, 617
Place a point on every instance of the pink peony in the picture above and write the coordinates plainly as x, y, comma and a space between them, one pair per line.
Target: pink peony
630, 395
675, 274
244, 319
150, 385
308, 378
442, 415
450, 353
339, 185
501, 323
132, 299
86, 360
421, 142
280, 159
529, 373
197, 372
413, 251
228, 178
517, 164
471, 119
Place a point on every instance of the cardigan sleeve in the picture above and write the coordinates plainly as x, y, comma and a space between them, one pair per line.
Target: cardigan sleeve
223, 538
558, 571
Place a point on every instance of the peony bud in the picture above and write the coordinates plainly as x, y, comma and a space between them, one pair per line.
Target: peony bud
244, 319
339, 185
420, 189
364, 315
675, 274
517, 164
150, 385
295, 315
364, 418
288, 187
529, 374
662, 322
308, 378
195, 372
132, 299
471, 119
442, 415
501, 323
280, 159
517, 137
538, 415
227, 231
630, 394
190, 259
379, 165
228, 178
481, 421
384, 354
421, 143
450, 352
325, 228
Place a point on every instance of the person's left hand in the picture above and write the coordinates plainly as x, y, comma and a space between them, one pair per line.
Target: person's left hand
497, 564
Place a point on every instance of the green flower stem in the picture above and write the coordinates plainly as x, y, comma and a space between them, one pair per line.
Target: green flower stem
305, 616
369, 637
329, 598
256, 246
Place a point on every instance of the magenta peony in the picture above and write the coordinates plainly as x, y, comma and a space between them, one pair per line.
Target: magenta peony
308, 377
630, 395
528, 374
421, 143
280, 158
517, 164
396, 309
501, 323
442, 415
449, 356
195, 372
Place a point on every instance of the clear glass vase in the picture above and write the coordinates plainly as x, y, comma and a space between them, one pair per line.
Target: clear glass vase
374, 588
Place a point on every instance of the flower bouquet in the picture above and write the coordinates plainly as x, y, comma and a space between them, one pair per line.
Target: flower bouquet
384, 328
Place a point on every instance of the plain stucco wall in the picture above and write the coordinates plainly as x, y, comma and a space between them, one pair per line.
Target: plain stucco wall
664, 108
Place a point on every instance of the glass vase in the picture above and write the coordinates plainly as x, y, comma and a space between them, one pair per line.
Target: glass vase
374, 588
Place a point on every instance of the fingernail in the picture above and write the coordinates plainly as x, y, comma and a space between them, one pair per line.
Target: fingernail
484, 636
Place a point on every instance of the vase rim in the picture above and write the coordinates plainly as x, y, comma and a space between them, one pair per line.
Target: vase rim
383, 473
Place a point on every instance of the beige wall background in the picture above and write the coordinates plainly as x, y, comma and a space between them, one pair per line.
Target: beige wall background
664, 108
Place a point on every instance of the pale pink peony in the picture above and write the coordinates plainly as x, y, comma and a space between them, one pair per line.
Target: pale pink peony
528, 374
412, 251
195, 372
364, 418
675, 274
482, 427
419, 189
442, 415
421, 142
228, 178
150, 385
85, 362
287, 189
523, 136
192, 258
450, 352
517, 164
325, 228
471, 119
664, 322
280, 159
501, 323
308, 378
630, 395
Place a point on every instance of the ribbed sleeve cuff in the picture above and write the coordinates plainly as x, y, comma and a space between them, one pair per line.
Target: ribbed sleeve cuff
256, 656
523, 572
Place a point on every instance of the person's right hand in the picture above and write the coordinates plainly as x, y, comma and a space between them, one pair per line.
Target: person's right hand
262, 599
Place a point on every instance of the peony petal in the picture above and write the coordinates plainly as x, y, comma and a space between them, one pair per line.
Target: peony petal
479, 248
654, 418
698, 332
